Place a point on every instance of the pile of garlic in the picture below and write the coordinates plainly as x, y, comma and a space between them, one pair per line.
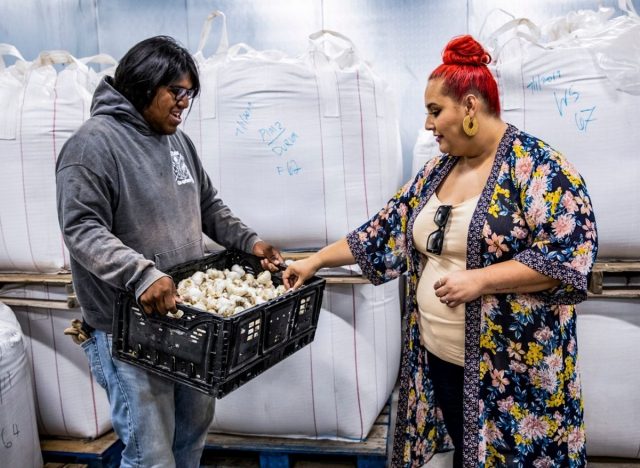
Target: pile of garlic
227, 292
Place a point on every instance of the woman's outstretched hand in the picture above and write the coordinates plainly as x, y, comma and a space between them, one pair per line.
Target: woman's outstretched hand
298, 272
333, 255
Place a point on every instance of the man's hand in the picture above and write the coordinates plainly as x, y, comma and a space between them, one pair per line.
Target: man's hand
271, 258
160, 297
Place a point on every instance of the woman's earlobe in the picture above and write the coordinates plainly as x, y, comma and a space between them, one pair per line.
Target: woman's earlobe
470, 102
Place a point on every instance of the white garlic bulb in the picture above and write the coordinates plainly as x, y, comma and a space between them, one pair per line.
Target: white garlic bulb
229, 291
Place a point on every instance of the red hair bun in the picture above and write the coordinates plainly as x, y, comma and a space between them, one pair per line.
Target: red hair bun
465, 50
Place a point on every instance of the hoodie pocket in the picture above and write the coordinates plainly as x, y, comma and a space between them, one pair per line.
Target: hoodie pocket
191, 251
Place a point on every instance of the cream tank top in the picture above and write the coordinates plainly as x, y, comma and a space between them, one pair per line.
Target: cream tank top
442, 327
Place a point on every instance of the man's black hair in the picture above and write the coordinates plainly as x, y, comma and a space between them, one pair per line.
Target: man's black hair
151, 63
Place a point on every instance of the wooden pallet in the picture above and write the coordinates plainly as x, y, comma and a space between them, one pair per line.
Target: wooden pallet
103, 452
275, 452
62, 279
615, 280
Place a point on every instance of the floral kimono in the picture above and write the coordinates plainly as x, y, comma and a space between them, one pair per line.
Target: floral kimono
522, 394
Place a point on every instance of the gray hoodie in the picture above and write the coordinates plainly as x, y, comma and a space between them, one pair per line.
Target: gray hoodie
132, 203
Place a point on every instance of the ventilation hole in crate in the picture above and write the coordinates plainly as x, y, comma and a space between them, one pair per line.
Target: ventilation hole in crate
304, 305
253, 331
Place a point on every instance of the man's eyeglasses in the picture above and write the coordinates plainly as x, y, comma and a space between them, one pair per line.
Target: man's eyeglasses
179, 93
436, 238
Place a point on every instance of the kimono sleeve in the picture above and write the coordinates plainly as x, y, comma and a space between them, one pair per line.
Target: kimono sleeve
559, 214
380, 245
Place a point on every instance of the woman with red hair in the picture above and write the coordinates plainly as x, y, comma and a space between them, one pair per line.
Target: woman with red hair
497, 237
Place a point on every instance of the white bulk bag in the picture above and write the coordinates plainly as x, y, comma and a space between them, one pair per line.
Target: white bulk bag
425, 148
69, 401
43, 103
579, 96
303, 149
608, 349
334, 388
20, 444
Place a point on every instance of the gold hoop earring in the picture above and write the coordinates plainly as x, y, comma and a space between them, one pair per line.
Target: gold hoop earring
470, 125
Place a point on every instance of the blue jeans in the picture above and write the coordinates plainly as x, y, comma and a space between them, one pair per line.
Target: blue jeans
162, 423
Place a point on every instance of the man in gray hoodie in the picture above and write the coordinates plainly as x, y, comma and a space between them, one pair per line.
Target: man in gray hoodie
133, 201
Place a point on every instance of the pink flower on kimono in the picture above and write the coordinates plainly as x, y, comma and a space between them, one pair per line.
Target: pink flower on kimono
585, 204
569, 202
532, 427
490, 432
401, 242
518, 218
515, 350
411, 401
402, 209
421, 413
418, 381
553, 362
566, 312
571, 346
544, 169
546, 378
362, 236
530, 301
524, 167
373, 228
486, 230
487, 360
582, 263
496, 246
543, 334
384, 213
576, 440
543, 462
519, 233
538, 211
489, 303
419, 447
574, 390
482, 451
564, 225
506, 404
538, 187
431, 163
499, 380
590, 228
518, 367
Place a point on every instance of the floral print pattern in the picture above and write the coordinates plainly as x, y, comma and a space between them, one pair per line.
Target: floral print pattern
522, 397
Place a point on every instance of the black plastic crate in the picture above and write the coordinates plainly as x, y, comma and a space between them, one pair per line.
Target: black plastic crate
211, 353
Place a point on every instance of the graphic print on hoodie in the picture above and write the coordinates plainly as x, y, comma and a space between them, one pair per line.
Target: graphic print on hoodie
180, 169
